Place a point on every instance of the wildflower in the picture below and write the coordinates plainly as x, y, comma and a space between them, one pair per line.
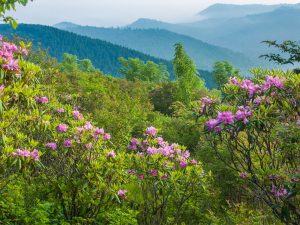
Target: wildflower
2, 88
51, 145
62, 128
151, 131
243, 114
27, 154
206, 101
273, 82
234, 81
133, 144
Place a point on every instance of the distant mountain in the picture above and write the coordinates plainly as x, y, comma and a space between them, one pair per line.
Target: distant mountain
160, 43
232, 11
240, 33
104, 55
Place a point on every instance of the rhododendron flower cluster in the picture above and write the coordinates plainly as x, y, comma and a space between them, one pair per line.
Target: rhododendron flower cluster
206, 102
27, 154
279, 192
122, 193
7, 55
155, 147
62, 128
51, 145
41, 100
60, 110
77, 115
243, 114
253, 89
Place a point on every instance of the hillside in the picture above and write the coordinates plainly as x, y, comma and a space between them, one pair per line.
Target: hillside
104, 55
160, 43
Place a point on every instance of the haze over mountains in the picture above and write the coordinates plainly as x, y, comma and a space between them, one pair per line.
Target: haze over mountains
237, 27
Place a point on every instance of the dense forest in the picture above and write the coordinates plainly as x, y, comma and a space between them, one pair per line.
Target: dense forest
79, 146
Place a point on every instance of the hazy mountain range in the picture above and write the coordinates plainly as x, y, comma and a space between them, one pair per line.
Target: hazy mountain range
160, 43
237, 27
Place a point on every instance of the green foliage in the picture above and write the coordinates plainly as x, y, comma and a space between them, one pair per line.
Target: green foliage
186, 75
135, 69
291, 48
7, 5
222, 71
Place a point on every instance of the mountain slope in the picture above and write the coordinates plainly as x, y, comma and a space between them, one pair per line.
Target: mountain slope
104, 55
160, 43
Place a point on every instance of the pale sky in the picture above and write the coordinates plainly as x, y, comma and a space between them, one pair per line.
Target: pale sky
118, 12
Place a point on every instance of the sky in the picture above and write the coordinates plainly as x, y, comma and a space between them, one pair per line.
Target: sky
115, 13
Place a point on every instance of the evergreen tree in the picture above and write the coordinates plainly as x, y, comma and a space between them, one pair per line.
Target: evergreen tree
186, 75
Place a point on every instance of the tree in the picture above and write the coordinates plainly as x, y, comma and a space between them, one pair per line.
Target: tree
292, 49
135, 69
222, 71
186, 75
7, 5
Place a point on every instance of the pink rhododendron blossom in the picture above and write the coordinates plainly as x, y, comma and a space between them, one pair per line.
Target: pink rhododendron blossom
151, 150
111, 154
279, 192
225, 117
206, 102
122, 194
273, 82
183, 164
2, 88
194, 162
141, 176
41, 100
234, 81
244, 113
68, 143
77, 115
243, 175
60, 110
106, 137
62, 128
89, 146
164, 177
27, 154
153, 173
51, 145
133, 144
211, 124
99, 131
151, 131
88, 126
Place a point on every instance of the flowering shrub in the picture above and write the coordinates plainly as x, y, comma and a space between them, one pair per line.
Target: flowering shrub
255, 131
71, 162
167, 178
